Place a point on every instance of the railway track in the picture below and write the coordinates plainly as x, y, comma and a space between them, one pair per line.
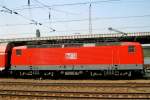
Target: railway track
75, 90
71, 95
129, 84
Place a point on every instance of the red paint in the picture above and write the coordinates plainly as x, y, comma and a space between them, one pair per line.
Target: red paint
82, 55
3, 55
3, 59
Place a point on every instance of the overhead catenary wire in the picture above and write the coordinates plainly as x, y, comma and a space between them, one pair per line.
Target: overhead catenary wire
104, 28
79, 20
85, 19
49, 19
101, 29
99, 18
76, 4
69, 4
81, 31
49, 16
5, 9
51, 8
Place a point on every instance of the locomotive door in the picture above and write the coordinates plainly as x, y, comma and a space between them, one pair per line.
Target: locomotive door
116, 60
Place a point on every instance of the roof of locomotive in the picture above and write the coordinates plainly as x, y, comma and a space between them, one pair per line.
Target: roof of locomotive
64, 45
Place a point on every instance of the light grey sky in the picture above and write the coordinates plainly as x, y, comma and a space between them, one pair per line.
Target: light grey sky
69, 17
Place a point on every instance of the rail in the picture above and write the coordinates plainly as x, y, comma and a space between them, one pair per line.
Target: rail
72, 95
75, 90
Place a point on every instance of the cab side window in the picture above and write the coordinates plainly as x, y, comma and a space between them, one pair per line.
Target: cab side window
18, 52
131, 49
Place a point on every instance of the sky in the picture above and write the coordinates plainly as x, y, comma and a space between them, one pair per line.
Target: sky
18, 18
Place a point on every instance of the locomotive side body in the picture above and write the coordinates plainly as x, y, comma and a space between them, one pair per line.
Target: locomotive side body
124, 56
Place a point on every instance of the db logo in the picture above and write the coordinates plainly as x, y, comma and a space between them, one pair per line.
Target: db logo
71, 55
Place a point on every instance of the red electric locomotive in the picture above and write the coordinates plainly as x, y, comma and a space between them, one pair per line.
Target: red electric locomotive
115, 58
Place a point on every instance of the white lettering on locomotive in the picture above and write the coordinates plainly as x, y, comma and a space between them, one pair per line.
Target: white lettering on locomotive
71, 55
